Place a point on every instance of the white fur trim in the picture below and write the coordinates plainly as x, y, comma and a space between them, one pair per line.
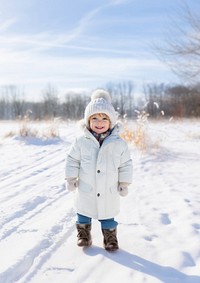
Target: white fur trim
119, 127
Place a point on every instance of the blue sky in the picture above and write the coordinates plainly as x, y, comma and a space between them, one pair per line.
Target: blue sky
82, 44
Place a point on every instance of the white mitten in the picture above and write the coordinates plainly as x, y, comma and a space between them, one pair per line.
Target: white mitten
71, 184
123, 190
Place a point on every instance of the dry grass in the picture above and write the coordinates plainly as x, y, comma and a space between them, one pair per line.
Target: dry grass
9, 134
51, 131
29, 129
138, 134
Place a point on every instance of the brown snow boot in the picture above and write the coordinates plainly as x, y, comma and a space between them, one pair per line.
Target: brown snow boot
84, 235
110, 239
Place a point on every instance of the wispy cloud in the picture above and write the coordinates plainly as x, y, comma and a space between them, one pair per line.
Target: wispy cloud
40, 42
4, 26
78, 29
118, 2
45, 40
72, 71
80, 56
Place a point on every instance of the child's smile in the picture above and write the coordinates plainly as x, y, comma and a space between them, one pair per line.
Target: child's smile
99, 123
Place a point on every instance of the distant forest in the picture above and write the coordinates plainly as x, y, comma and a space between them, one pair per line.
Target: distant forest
158, 100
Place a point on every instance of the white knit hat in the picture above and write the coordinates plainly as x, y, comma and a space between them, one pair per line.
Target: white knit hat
100, 103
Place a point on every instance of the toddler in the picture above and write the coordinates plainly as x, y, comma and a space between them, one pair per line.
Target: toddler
99, 169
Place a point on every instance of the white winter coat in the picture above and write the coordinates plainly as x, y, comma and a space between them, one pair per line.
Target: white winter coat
99, 169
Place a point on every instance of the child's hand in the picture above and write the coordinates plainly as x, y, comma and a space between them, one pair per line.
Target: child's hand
71, 184
123, 190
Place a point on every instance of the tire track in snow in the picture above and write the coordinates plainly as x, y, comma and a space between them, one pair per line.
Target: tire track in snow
33, 169
34, 259
18, 168
31, 177
28, 181
29, 210
30, 200
29, 190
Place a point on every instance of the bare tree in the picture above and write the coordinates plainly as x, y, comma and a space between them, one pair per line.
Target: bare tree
51, 101
3, 107
123, 97
74, 105
14, 101
182, 50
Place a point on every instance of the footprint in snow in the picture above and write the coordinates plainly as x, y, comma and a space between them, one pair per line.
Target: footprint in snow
165, 219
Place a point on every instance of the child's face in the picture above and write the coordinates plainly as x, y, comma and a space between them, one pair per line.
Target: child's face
99, 123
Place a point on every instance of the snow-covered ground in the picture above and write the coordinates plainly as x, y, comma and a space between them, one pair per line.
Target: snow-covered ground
159, 222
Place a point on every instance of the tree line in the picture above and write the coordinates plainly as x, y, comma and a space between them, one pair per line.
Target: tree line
157, 100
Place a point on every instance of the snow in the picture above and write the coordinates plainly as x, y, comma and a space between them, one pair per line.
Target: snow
159, 222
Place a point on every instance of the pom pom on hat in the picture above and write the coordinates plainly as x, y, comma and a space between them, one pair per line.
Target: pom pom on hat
101, 93
100, 103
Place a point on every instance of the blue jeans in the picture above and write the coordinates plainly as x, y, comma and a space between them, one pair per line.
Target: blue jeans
105, 223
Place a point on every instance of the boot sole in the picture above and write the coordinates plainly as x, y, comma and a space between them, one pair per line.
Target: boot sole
85, 245
111, 249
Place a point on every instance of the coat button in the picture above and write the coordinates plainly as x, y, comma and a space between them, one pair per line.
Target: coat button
98, 171
98, 194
